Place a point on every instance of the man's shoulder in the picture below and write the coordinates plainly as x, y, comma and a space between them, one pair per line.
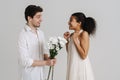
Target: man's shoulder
23, 33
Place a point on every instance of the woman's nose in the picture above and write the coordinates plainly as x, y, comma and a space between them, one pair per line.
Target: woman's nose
68, 23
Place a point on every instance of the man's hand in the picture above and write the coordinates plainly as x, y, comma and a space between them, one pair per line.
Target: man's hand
50, 62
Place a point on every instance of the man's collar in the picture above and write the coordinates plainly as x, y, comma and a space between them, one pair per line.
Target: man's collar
27, 28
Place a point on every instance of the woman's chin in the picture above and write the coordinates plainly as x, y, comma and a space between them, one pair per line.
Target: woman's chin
70, 28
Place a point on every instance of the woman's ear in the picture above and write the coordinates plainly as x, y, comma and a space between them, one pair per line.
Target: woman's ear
79, 23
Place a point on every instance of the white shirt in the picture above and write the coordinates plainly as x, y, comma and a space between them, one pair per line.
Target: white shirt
31, 47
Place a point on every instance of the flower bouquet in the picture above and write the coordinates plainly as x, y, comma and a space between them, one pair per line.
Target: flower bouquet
54, 45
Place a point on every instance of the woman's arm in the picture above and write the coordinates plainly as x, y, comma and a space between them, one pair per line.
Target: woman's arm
67, 46
68, 42
83, 47
67, 36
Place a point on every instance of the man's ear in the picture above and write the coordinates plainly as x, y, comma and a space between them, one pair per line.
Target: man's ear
29, 18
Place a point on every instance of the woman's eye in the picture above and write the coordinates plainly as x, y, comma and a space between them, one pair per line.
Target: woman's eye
70, 20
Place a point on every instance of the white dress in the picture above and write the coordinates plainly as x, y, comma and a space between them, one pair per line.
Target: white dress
77, 68
31, 47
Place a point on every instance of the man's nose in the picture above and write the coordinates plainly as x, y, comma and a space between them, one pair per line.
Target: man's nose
40, 20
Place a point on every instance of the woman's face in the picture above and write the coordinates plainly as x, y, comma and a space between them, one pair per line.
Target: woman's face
73, 24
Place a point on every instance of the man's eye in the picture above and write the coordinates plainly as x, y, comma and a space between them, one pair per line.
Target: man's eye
38, 16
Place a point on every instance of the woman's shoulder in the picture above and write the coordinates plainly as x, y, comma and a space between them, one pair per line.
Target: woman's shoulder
84, 34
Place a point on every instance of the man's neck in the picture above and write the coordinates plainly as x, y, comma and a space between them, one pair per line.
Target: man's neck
32, 27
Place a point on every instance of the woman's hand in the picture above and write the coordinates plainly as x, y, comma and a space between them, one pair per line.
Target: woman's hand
67, 35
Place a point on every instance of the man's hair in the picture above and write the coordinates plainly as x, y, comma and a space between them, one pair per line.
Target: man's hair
31, 10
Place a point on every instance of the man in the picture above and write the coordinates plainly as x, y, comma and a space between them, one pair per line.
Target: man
31, 44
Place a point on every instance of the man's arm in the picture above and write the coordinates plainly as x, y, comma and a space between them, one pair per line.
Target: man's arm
42, 63
46, 57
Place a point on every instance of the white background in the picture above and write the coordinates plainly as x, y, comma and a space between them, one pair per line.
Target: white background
104, 49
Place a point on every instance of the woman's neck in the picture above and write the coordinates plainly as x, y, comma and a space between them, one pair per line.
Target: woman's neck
77, 30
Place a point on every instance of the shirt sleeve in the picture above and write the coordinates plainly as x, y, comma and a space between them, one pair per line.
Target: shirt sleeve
24, 57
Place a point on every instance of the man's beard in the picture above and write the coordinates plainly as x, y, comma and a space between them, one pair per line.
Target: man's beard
36, 26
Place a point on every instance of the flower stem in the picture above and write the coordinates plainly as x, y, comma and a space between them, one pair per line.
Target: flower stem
49, 73
52, 72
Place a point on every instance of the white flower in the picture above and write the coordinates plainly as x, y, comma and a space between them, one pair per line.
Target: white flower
62, 44
57, 48
53, 40
62, 39
50, 45
59, 38
56, 43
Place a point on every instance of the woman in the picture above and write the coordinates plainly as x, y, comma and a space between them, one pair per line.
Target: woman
79, 67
